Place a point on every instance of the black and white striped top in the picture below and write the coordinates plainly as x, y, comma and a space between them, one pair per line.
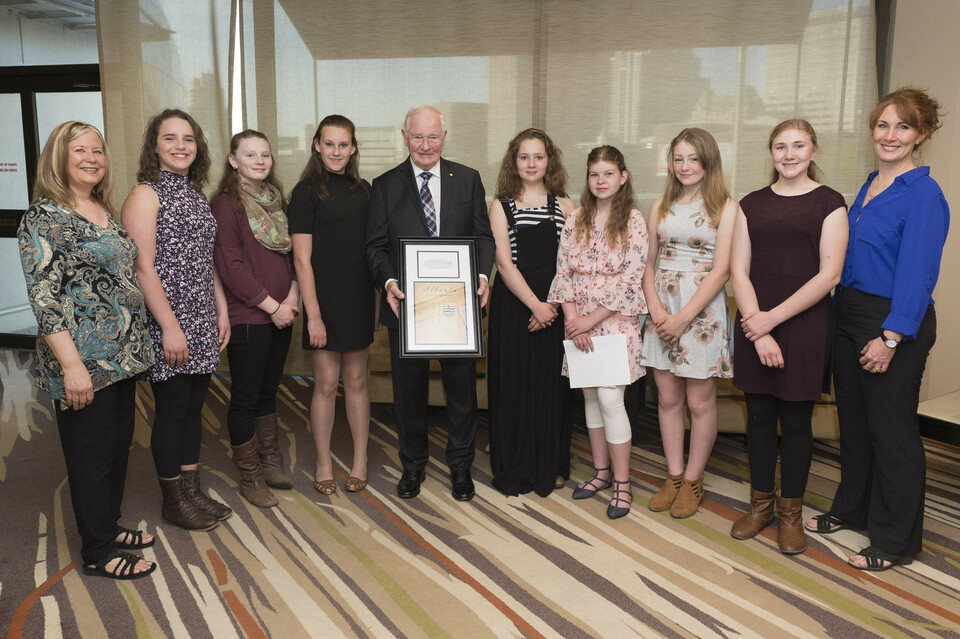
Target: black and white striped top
517, 218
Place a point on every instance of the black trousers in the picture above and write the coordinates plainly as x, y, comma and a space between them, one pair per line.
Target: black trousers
257, 353
175, 441
796, 443
96, 444
410, 384
882, 460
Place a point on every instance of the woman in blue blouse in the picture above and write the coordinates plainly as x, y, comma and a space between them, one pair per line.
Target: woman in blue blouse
885, 327
92, 337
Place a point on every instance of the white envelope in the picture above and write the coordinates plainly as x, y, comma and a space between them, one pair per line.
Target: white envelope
607, 365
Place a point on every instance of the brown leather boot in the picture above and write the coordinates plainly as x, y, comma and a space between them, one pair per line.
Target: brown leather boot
791, 537
688, 498
179, 510
667, 493
190, 485
270, 458
757, 518
252, 486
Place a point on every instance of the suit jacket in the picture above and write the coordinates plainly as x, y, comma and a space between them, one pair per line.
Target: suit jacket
396, 211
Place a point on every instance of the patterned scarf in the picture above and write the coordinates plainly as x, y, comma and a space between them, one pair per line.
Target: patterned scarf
266, 217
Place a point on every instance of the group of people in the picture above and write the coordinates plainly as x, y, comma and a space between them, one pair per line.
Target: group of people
159, 292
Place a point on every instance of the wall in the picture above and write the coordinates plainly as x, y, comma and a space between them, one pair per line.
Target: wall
25, 41
924, 44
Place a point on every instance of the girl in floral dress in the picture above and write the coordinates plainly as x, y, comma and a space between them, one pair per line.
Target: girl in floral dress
600, 266
687, 337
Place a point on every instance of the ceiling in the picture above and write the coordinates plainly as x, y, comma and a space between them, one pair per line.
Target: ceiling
73, 14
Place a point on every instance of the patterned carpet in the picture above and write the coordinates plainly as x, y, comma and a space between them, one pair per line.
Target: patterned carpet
373, 565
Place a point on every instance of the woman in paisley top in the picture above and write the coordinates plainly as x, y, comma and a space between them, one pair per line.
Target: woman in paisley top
170, 219
92, 338
687, 338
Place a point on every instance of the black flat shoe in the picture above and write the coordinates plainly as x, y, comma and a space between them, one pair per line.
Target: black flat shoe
409, 484
878, 561
588, 489
462, 484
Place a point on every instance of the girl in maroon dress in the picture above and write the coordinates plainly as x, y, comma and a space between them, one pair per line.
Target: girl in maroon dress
788, 250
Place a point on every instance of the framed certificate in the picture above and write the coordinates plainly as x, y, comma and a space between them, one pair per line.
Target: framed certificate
440, 314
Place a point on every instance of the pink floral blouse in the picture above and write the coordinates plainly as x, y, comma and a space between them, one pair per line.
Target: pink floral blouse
595, 274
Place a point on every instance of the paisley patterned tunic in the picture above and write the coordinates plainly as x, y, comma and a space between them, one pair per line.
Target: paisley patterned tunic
686, 240
186, 233
596, 274
81, 278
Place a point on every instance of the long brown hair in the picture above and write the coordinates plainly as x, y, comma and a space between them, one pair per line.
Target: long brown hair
509, 184
53, 180
796, 124
714, 190
230, 179
621, 204
149, 170
316, 173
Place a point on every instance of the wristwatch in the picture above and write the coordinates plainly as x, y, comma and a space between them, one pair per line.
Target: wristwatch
889, 342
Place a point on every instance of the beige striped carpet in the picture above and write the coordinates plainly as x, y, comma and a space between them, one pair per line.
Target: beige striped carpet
373, 565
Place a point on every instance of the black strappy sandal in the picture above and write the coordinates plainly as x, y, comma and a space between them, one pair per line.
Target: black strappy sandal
123, 570
616, 512
136, 536
582, 492
827, 524
876, 559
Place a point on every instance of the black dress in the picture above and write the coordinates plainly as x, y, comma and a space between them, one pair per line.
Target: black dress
344, 287
785, 254
529, 400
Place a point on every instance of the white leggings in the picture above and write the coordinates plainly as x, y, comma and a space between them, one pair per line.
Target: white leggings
604, 409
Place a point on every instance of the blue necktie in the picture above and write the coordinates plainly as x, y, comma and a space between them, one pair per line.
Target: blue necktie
428, 208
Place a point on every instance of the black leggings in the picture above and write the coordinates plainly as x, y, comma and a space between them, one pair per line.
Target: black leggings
178, 402
257, 353
763, 413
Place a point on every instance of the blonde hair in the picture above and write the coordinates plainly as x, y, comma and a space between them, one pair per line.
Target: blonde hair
621, 205
795, 124
714, 190
53, 181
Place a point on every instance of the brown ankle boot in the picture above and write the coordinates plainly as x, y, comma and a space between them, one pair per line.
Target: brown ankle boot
667, 493
688, 498
179, 510
791, 537
270, 458
190, 485
757, 518
252, 486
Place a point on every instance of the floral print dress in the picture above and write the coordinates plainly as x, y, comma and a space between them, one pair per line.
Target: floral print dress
186, 233
687, 239
592, 274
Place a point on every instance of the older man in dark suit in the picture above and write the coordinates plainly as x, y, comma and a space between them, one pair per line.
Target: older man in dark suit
427, 196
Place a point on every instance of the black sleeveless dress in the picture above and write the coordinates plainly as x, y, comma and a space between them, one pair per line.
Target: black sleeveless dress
529, 400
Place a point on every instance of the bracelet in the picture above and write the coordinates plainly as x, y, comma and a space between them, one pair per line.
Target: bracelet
279, 304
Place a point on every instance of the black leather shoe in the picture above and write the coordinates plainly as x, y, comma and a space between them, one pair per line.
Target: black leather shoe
409, 484
462, 483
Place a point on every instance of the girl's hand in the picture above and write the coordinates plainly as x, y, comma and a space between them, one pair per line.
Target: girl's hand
671, 328
544, 313
757, 324
583, 342
533, 325
579, 326
317, 332
284, 315
223, 330
769, 351
175, 350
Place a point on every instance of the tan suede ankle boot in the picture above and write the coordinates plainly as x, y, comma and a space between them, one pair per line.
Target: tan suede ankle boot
688, 498
667, 493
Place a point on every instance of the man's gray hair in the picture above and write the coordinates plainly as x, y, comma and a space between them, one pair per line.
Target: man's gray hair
423, 108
